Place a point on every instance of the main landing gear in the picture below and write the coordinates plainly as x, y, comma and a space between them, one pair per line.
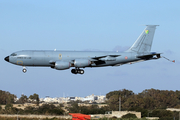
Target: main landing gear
24, 70
77, 71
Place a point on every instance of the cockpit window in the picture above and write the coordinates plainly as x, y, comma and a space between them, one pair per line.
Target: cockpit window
13, 54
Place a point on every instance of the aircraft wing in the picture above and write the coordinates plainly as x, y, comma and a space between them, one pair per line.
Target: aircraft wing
106, 56
97, 59
101, 59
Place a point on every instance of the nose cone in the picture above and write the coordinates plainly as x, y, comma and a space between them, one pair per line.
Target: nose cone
6, 58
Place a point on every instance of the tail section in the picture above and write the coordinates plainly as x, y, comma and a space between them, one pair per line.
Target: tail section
144, 42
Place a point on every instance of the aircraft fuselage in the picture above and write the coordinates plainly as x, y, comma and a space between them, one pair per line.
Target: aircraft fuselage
46, 58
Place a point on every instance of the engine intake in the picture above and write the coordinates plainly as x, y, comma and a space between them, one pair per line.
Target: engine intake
81, 63
62, 65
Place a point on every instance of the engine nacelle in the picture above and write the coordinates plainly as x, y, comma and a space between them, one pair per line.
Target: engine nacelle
62, 65
81, 63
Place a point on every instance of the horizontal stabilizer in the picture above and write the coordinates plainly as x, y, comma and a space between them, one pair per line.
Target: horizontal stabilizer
149, 56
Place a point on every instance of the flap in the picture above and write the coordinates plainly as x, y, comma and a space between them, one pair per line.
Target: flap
97, 58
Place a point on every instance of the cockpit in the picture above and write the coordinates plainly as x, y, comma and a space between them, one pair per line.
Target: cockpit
13, 54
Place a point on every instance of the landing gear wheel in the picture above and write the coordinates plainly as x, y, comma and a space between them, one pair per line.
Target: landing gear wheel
24, 70
74, 71
77, 71
81, 71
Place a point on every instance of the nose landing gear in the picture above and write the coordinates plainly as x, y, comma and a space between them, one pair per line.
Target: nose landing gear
24, 70
77, 71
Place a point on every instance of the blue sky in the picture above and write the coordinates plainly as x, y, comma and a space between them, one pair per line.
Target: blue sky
88, 25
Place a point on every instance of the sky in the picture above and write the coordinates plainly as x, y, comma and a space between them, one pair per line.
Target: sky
103, 25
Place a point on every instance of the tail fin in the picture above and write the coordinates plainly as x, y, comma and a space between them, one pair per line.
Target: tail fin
144, 42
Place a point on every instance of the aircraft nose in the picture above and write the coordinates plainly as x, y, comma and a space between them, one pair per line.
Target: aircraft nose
6, 58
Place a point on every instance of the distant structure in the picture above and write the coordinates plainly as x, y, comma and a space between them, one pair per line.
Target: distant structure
91, 98
117, 114
173, 109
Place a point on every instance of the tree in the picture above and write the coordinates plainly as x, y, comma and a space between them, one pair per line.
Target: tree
50, 109
113, 98
162, 114
114, 102
92, 109
147, 99
144, 112
6, 97
8, 106
160, 98
123, 93
129, 115
74, 108
34, 98
23, 99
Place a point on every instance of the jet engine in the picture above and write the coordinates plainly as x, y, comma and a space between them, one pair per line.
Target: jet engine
62, 65
80, 63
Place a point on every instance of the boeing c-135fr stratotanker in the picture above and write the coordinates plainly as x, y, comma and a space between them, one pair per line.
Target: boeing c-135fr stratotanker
62, 60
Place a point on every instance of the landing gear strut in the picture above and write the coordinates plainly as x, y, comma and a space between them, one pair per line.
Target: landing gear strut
24, 70
77, 71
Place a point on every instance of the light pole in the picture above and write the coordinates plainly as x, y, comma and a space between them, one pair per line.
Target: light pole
64, 115
119, 103
149, 112
17, 115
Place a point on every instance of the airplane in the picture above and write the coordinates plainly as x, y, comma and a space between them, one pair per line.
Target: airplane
62, 60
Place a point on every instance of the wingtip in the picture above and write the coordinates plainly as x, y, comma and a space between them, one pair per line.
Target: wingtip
152, 25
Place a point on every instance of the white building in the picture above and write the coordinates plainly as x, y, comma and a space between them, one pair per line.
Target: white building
91, 98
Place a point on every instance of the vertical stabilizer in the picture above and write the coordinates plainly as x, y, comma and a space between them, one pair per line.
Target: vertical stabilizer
144, 42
